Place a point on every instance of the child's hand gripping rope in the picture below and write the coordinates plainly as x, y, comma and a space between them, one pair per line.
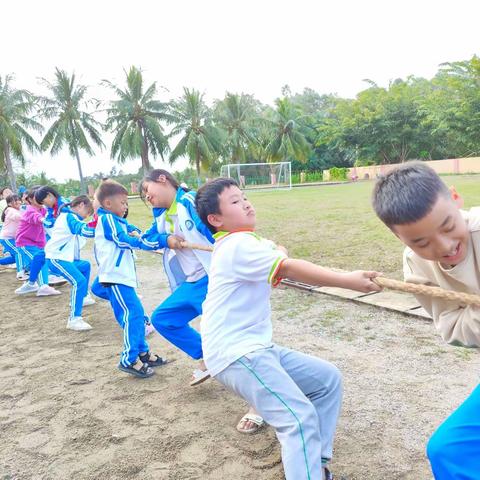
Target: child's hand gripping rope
365, 281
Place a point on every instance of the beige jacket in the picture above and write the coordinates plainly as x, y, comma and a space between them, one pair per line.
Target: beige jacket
458, 324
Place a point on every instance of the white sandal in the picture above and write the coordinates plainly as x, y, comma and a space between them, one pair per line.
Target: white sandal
257, 420
199, 376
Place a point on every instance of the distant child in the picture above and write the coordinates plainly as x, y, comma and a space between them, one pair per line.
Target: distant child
11, 218
297, 394
53, 202
50, 199
31, 241
443, 249
116, 272
63, 254
4, 193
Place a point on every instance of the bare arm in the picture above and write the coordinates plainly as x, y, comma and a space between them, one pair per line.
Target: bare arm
307, 272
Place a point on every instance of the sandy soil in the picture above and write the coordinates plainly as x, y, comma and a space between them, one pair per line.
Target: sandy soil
66, 412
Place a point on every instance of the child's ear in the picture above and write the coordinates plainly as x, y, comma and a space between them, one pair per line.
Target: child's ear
214, 220
456, 197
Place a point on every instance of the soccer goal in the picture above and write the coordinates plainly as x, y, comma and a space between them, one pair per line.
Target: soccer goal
255, 176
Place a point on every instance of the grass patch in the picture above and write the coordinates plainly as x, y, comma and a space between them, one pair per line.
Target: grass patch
332, 225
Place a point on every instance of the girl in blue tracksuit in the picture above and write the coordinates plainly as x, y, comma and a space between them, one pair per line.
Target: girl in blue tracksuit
63, 254
117, 274
187, 270
53, 202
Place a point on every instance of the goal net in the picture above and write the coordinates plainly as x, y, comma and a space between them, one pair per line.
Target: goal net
251, 176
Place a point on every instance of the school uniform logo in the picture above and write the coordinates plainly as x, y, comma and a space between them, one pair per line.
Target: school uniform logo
189, 225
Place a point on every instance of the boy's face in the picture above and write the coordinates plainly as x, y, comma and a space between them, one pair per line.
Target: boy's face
441, 236
236, 212
117, 204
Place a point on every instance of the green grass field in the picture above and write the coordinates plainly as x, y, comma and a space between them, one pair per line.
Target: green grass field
332, 225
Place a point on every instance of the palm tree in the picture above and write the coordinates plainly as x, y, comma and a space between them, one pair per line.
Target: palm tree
135, 120
236, 115
288, 139
202, 140
15, 119
71, 124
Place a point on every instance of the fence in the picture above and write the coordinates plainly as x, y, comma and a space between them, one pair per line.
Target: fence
450, 166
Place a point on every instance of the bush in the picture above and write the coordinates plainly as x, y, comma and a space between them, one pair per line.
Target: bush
338, 173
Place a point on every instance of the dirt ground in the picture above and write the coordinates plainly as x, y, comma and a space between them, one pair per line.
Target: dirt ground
66, 412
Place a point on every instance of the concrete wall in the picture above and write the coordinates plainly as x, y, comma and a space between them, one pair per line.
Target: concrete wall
454, 165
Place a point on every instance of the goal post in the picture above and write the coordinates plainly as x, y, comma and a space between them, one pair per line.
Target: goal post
258, 176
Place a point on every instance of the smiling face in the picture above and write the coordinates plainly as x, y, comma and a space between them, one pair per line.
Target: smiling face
440, 236
236, 212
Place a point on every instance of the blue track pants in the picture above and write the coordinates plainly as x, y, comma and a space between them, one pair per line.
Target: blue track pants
454, 449
129, 313
34, 259
38, 262
77, 273
171, 318
99, 290
14, 256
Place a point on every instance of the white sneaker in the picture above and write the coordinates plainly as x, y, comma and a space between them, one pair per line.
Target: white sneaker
88, 300
12, 266
22, 275
77, 323
56, 280
27, 287
46, 290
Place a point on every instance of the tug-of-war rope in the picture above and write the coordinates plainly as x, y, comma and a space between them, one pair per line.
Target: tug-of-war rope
464, 298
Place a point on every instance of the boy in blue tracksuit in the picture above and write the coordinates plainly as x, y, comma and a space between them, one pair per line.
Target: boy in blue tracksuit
63, 254
116, 272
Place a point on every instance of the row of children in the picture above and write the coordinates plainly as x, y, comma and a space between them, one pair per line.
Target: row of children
299, 395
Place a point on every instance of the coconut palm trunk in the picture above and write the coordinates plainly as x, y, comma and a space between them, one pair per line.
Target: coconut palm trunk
9, 166
145, 161
197, 165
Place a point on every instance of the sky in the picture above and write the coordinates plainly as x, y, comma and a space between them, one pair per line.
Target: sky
249, 46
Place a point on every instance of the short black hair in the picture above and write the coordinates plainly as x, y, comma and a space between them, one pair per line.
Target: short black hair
42, 193
407, 193
109, 188
206, 200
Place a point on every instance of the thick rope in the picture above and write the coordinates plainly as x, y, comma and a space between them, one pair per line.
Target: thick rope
437, 292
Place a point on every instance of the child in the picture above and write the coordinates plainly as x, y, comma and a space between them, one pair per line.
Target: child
116, 272
63, 254
187, 271
31, 240
50, 199
10, 219
174, 213
297, 394
443, 249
